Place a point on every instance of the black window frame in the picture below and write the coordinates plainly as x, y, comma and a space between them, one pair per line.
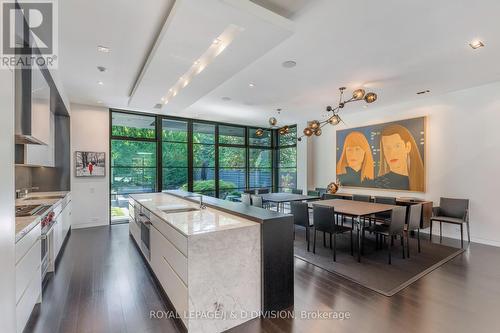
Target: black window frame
273, 147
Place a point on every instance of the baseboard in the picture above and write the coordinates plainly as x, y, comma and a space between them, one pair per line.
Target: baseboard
89, 225
473, 239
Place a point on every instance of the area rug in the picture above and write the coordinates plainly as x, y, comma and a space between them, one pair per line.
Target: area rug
374, 272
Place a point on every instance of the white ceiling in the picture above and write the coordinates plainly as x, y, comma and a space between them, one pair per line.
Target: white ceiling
394, 48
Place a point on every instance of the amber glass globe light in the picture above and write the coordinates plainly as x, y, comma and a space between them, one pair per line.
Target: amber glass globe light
318, 132
259, 132
358, 94
334, 120
272, 121
314, 124
370, 97
308, 131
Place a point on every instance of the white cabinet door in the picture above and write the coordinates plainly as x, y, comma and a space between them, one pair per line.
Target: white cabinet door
66, 220
58, 237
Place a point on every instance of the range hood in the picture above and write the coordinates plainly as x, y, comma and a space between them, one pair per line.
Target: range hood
32, 107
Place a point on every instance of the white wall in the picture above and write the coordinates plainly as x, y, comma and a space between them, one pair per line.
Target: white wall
463, 152
7, 194
90, 196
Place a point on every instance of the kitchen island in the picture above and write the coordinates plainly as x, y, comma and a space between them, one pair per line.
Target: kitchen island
211, 261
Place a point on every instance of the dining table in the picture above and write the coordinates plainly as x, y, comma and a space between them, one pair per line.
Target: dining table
281, 198
357, 210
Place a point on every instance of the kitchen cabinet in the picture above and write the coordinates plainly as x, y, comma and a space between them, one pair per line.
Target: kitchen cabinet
28, 276
43, 155
61, 226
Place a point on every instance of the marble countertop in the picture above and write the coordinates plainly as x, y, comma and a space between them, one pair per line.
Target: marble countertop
26, 223
195, 222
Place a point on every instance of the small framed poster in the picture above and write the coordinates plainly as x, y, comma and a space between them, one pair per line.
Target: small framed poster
90, 164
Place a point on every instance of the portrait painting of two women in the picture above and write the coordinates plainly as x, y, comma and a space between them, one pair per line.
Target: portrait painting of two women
386, 156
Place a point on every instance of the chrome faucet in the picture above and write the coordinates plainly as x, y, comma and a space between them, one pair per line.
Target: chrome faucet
23, 192
202, 206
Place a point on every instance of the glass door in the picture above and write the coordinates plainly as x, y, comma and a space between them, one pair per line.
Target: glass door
133, 160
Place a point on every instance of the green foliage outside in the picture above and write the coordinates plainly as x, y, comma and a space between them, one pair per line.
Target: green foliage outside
134, 162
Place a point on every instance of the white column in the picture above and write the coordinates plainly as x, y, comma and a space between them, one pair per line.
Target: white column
7, 204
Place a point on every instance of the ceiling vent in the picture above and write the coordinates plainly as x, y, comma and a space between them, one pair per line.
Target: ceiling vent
158, 106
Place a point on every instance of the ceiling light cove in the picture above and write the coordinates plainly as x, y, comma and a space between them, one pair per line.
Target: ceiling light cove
217, 46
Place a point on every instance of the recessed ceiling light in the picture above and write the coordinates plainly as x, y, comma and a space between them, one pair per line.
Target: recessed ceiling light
162, 99
103, 49
101, 68
423, 92
251, 85
475, 44
216, 41
225, 98
100, 83
99, 102
196, 62
289, 64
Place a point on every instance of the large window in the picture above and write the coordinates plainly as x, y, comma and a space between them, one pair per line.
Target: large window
151, 153
133, 160
204, 158
232, 161
260, 160
287, 160
174, 154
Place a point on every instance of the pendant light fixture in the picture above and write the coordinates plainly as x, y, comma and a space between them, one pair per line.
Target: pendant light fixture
273, 123
314, 126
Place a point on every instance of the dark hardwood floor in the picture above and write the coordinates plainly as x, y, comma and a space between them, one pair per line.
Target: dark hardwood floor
102, 285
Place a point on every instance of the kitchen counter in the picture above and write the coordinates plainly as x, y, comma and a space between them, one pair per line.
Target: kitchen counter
26, 223
224, 228
189, 223
208, 261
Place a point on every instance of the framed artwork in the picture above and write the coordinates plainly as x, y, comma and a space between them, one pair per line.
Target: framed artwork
386, 156
90, 164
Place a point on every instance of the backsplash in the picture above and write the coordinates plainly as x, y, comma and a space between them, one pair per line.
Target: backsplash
23, 177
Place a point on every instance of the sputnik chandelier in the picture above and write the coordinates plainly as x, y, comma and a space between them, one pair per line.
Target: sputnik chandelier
273, 123
314, 126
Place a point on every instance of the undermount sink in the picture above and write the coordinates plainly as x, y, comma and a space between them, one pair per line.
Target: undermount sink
172, 209
30, 210
50, 197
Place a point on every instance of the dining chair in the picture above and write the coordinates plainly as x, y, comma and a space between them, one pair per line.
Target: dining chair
245, 199
386, 201
321, 190
297, 191
454, 211
249, 191
414, 218
324, 220
361, 197
391, 230
313, 193
300, 212
257, 201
